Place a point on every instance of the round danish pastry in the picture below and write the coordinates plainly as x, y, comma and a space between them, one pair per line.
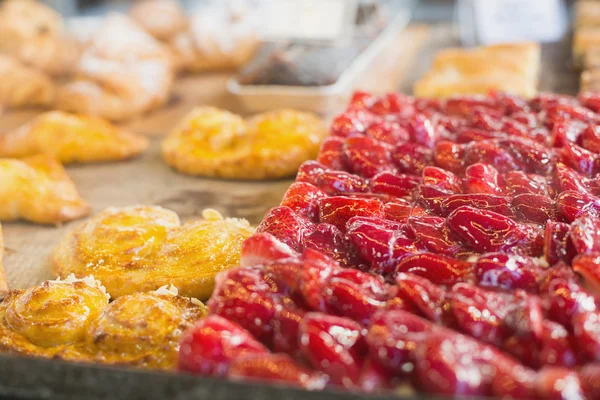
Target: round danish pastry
214, 142
142, 248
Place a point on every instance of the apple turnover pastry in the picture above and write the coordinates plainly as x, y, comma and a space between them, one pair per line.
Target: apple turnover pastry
3, 285
72, 138
23, 86
214, 142
142, 248
72, 319
35, 35
124, 72
38, 189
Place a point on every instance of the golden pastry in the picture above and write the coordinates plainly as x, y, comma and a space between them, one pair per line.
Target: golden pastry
585, 39
72, 319
72, 138
216, 39
38, 189
123, 73
587, 13
142, 248
35, 34
214, 142
22, 86
3, 285
161, 18
512, 68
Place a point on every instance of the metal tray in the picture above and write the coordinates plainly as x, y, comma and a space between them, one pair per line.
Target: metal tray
33, 378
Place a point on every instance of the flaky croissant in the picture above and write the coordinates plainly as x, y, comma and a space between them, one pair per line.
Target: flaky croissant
72, 138
38, 189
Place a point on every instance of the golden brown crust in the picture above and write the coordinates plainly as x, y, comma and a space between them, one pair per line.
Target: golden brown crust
142, 248
3, 284
72, 138
214, 142
512, 68
38, 189
584, 40
161, 18
34, 34
123, 73
73, 320
23, 86
587, 13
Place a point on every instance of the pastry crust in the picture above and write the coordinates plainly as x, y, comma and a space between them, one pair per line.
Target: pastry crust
163, 19
72, 138
142, 248
587, 13
214, 142
3, 284
38, 189
35, 34
23, 86
73, 320
585, 39
511, 68
123, 73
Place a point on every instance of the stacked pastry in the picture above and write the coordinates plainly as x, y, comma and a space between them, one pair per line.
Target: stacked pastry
586, 43
511, 68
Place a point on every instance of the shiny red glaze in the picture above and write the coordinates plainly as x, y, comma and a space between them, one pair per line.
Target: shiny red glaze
533, 157
505, 271
590, 378
586, 330
588, 266
339, 209
330, 344
329, 240
571, 205
554, 383
400, 209
434, 235
470, 134
285, 225
585, 234
557, 243
352, 122
565, 178
590, 138
466, 105
286, 328
581, 160
302, 198
434, 176
353, 300
388, 131
421, 295
331, 154
518, 182
488, 152
279, 368
411, 158
391, 103
365, 156
564, 131
482, 201
449, 156
397, 185
534, 208
567, 299
438, 269
482, 178
422, 131
330, 181
213, 343
432, 198
262, 248
590, 100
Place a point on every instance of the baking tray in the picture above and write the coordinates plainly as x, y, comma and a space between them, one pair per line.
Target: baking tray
325, 99
33, 378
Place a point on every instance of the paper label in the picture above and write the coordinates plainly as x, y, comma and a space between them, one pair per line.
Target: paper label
307, 19
517, 20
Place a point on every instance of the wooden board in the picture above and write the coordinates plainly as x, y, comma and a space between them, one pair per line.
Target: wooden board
148, 180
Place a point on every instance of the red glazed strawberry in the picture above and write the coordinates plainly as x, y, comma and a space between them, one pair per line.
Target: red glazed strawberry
434, 176
486, 231
286, 328
213, 343
332, 345
397, 185
512, 104
388, 131
557, 243
262, 248
285, 225
590, 378
421, 295
585, 234
449, 156
590, 100
482, 178
366, 156
411, 158
532, 156
352, 122
590, 138
391, 103
339, 209
499, 270
332, 182
569, 111
243, 296
571, 205
512, 380
374, 378
482, 201
567, 299
588, 266
314, 277
331, 154
350, 299
556, 346
433, 233
422, 131
361, 100
581, 160
554, 383
567, 179
466, 105
399, 210
302, 198
438, 269
329, 240
279, 368
432, 198
534, 208
487, 152
470, 134
518, 182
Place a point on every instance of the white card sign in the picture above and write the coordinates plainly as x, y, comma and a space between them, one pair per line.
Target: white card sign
307, 19
518, 20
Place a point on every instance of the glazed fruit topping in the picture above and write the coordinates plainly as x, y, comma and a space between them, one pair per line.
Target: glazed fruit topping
452, 245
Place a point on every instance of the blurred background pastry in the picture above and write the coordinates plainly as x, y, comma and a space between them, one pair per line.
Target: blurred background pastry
23, 86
